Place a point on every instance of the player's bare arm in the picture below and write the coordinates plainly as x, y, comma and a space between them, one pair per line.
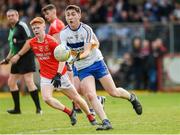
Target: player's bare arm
61, 67
87, 50
95, 42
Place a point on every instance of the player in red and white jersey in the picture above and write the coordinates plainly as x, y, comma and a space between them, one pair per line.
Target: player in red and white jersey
44, 53
53, 73
56, 25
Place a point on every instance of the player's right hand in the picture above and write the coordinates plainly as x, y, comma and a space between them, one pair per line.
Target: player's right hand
72, 59
56, 80
4, 61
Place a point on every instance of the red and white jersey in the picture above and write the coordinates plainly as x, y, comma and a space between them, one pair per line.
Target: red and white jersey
55, 27
44, 51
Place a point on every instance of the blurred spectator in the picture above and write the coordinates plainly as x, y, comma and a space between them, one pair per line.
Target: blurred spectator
137, 62
98, 12
145, 52
175, 16
157, 51
125, 74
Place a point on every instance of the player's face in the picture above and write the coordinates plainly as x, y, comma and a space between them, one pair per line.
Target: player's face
49, 15
38, 29
73, 18
12, 17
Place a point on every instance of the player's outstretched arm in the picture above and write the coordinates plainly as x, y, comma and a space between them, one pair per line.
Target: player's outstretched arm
87, 50
25, 49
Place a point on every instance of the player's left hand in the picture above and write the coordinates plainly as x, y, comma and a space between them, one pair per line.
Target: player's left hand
14, 59
72, 59
56, 80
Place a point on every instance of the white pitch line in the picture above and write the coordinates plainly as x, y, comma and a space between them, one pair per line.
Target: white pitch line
55, 129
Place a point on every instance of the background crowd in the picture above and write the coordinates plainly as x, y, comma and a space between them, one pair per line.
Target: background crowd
139, 64
100, 11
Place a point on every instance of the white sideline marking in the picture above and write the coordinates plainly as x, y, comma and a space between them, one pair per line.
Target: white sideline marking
55, 129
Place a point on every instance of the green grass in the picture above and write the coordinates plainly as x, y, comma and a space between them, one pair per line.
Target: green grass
161, 115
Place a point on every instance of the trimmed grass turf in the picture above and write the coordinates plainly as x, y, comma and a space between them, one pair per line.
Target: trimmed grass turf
161, 115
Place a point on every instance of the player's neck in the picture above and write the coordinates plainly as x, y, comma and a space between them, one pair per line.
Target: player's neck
41, 38
76, 26
54, 17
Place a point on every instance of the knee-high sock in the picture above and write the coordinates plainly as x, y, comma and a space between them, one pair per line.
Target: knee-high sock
15, 96
35, 97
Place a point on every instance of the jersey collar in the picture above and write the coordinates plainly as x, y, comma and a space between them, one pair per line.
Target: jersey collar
75, 29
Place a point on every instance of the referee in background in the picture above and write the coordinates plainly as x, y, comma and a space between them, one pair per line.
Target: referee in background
18, 34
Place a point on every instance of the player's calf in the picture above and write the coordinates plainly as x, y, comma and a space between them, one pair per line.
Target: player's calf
102, 100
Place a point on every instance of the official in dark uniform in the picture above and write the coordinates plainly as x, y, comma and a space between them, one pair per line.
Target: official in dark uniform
18, 34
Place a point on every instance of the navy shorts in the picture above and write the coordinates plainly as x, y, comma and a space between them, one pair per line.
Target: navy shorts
97, 70
75, 72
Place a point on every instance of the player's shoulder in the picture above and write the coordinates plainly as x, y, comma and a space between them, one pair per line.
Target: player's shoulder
65, 29
85, 26
57, 22
50, 38
33, 40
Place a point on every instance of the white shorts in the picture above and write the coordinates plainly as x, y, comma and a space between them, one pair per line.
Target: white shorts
65, 82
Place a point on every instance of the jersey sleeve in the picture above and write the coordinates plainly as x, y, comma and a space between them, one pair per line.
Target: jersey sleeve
63, 38
88, 34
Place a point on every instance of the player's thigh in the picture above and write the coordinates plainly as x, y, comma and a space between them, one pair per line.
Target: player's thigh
108, 83
46, 91
70, 74
88, 86
71, 93
77, 84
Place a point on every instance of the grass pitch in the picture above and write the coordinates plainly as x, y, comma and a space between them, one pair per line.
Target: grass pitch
161, 115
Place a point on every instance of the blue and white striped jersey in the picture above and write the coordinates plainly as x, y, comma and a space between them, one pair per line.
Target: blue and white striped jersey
77, 39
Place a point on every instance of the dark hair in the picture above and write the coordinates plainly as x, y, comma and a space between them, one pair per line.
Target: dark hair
74, 7
48, 7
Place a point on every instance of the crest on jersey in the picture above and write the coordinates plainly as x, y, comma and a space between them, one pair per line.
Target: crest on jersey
40, 48
46, 48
